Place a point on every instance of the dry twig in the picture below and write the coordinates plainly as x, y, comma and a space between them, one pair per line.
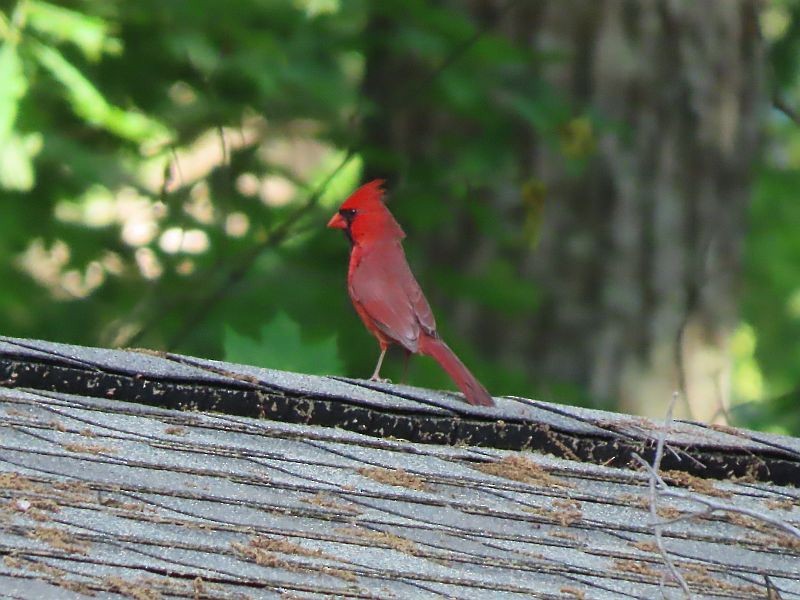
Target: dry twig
657, 524
660, 489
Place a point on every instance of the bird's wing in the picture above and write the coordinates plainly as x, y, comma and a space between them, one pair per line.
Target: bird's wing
384, 287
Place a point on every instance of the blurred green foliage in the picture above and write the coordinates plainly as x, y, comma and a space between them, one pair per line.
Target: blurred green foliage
166, 170
767, 345
281, 346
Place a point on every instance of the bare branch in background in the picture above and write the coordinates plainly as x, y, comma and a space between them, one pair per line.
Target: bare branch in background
238, 272
780, 104
286, 229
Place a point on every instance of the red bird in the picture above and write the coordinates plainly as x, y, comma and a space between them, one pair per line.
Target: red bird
384, 292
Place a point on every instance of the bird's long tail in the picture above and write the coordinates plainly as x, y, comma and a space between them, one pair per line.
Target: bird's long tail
472, 389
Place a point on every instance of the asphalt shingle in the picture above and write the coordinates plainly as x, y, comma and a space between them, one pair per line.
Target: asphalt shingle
115, 498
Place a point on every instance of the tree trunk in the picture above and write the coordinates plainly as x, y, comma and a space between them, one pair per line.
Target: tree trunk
639, 256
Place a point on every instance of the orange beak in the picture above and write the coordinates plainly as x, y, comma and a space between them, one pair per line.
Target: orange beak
337, 222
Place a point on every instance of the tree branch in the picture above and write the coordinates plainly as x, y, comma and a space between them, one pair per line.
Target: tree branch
283, 230
235, 275
779, 102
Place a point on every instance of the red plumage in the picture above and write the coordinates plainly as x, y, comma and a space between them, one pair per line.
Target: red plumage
385, 293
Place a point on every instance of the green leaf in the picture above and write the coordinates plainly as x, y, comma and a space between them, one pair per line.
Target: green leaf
544, 109
342, 183
534, 195
314, 8
280, 346
16, 166
12, 89
88, 33
90, 104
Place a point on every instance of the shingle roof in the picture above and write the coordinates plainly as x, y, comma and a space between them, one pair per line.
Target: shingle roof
322, 498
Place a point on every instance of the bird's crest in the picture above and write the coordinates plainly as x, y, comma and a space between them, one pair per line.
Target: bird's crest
367, 194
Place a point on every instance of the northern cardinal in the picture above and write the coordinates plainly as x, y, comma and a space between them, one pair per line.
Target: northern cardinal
384, 292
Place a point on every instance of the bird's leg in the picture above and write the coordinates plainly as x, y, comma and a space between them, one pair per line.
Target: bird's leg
405, 365
376, 376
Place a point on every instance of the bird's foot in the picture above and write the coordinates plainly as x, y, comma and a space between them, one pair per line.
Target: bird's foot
380, 379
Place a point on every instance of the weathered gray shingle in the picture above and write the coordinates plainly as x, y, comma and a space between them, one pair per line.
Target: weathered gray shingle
103, 496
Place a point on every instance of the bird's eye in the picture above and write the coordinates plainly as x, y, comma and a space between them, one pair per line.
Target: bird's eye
348, 214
